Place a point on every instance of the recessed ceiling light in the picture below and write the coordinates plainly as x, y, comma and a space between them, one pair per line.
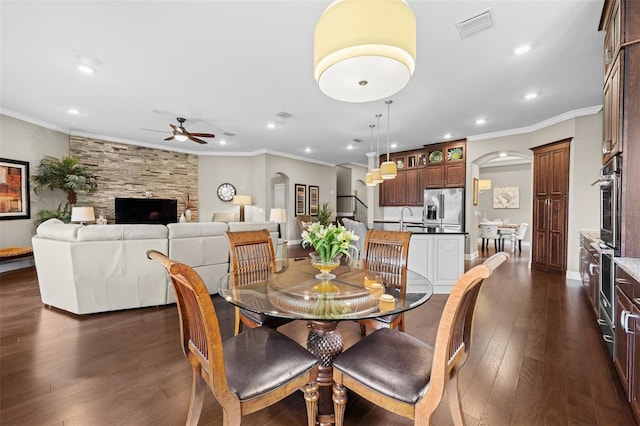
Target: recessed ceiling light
73, 111
480, 121
520, 50
531, 95
222, 142
447, 136
349, 146
86, 64
394, 145
307, 150
503, 154
271, 125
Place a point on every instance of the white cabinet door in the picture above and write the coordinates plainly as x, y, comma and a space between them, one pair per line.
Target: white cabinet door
421, 255
448, 261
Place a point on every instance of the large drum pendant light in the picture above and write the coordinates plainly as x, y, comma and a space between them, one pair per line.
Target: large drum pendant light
388, 169
364, 50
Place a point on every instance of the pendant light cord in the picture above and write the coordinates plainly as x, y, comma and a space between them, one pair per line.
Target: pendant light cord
388, 131
371, 126
378, 148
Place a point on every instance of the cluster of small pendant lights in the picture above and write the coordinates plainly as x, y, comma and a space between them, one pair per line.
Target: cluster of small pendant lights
387, 170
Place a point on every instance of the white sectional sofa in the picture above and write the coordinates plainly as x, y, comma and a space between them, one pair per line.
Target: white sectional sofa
99, 268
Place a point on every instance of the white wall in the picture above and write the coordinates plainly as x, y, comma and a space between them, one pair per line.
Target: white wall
23, 141
513, 175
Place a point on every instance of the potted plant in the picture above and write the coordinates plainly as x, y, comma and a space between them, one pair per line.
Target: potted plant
324, 214
67, 174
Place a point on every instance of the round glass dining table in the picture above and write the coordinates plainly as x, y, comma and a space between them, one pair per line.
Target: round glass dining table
296, 290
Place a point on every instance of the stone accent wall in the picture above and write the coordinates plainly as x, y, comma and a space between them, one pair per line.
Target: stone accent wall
130, 171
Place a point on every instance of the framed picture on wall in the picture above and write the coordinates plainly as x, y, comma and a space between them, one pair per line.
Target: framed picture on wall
507, 197
301, 199
14, 189
314, 195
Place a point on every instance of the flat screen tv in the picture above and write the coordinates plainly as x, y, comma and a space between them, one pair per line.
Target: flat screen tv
146, 210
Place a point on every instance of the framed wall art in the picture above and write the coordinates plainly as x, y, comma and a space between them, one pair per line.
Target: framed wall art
507, 197
301, 198
14, 189
314, 196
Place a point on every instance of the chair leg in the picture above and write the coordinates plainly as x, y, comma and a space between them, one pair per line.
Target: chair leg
401, 323
237, 327
339, 403
311, 399
520, 246
363, 330
198, 386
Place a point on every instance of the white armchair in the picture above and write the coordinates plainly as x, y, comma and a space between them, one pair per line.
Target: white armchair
489, 231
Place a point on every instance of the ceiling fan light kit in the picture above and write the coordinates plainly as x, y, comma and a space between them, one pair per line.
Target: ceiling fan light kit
182, 135
364, 50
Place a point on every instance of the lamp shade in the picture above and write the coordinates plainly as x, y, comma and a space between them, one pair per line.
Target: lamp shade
376, 176
243, 200
484, 184
388, 170
278, 215
368, 179
364, 50
82, 214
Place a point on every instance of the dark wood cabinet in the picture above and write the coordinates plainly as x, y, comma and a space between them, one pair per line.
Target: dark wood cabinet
446, 164
407, 188
550, 208
590, 271
627, 329
612, 142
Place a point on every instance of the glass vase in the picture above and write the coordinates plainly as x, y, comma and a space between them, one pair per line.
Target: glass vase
325, 266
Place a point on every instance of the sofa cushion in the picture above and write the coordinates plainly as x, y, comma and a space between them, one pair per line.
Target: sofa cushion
253, 226
55, 229
121, 232
196, 229
223, 217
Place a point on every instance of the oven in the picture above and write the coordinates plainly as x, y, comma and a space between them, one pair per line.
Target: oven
610, 200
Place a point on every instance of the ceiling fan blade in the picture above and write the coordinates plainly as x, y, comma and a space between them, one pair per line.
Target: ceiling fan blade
196, 139
169, 138
173, 126
203, 135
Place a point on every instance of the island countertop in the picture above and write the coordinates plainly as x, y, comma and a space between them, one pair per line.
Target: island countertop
417, 227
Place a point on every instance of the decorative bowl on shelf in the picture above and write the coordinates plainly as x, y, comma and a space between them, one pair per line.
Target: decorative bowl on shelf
454, 154
435, 157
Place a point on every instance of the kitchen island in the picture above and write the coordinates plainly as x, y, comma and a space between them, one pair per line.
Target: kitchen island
436, 253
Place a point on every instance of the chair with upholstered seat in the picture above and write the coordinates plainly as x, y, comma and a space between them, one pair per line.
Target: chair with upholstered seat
303, 221
247, 372
488, 232
522, 231
359, 229
405, 375
386, 252
251, 259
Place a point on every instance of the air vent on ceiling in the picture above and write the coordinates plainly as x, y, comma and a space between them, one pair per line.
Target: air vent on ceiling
229, 134
284, 114
357, 140
474, 24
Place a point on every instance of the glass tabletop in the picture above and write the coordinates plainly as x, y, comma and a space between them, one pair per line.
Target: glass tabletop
358, 291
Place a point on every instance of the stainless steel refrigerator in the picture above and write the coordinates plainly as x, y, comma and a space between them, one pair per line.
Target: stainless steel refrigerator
444, 208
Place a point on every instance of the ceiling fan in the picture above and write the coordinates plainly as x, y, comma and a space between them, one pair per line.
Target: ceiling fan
181, 134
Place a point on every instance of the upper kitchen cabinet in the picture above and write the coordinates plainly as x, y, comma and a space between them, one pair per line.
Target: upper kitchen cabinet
446, 164
621, 22
407, 189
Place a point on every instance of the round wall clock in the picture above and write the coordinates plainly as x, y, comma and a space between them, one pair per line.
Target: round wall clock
226, 191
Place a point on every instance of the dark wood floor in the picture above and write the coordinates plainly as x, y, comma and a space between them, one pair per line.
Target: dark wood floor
537, 359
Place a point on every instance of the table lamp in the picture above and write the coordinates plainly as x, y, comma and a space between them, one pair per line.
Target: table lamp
278, 216
82, 215
242, 200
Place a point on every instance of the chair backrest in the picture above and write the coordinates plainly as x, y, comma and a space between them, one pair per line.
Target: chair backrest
453, 339
522, 231
386, 251
199, 328
251, 256
489, 231
303, 221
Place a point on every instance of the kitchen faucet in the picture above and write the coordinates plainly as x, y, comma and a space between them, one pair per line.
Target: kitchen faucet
402, 216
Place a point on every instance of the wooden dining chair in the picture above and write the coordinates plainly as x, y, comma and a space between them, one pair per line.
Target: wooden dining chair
252, 259
405, 375
386, 252
248, 372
